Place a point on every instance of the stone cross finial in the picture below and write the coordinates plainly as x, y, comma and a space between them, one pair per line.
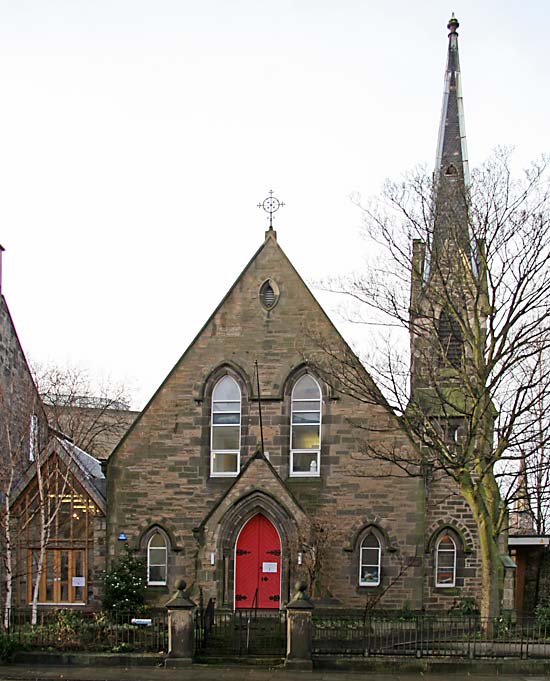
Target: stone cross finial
271, 205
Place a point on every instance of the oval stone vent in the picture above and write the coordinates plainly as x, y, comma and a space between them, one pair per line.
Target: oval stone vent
269, 294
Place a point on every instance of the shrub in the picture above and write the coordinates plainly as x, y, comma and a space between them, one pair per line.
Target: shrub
125, 585
542, 614
8, 647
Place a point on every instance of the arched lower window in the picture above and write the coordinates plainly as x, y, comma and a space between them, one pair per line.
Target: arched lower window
445, 561
370, 556
157, 559
225, 447
305, 428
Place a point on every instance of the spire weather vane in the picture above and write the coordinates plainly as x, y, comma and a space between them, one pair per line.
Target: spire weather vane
271, 205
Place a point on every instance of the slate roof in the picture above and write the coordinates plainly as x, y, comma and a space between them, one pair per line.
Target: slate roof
89, 467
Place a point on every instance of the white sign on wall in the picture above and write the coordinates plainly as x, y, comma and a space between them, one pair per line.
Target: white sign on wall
79, 581
269, 567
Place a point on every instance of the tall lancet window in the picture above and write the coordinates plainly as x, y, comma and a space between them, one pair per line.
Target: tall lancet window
445, 562
369, 561
157, 559
305, 437
450, 338
225, 447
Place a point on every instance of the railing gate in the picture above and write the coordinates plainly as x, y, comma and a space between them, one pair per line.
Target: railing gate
239, 634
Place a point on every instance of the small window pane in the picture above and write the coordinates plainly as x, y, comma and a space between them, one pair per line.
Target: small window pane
370, 574
306, 389
306, 417
157, 541
157, 556
446, 559
227, 389
370, 542
224, 463
225, 437
306, 405
370, 556
305, 462
305, 437
157, 573
227, 406
226, 419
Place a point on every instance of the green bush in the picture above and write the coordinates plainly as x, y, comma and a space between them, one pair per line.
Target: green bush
542, 614
125, 585
8, 648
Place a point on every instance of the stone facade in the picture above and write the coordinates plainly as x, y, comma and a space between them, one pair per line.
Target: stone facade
19, 399
96, 429
159, 477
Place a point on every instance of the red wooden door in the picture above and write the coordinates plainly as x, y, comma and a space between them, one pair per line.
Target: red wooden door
258, 565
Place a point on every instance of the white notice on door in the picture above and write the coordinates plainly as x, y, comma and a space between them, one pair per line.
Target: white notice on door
79, 581
269, 567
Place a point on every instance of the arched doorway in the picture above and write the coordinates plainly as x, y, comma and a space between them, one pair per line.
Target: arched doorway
258, 565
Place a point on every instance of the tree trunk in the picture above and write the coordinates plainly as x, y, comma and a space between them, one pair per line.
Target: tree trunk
7, 559
36, 586
6, 521
43, 540
492, 569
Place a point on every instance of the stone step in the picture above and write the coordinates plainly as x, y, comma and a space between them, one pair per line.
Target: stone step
244, 660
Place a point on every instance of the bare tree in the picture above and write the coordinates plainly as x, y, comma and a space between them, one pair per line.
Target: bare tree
22, 433
94, 417
11, 444
52, 482
528, 490
316, 551
468, 392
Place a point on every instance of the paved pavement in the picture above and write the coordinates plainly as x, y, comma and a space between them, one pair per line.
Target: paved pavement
18, 672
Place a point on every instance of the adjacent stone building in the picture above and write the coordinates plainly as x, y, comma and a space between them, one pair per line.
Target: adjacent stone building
73, 494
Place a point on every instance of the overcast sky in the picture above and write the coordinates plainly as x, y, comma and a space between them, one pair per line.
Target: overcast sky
137, 137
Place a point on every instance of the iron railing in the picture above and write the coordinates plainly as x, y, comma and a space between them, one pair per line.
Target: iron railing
426, 636
240, 633
65, 629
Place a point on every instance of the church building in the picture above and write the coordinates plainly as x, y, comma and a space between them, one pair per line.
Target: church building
244, 471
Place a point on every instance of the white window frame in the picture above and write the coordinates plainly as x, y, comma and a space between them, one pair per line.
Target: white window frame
364, 582
236, 452
151, 582
438, 549
317, 472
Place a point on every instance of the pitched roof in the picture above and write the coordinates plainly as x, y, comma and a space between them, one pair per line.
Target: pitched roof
86, 469
270, 240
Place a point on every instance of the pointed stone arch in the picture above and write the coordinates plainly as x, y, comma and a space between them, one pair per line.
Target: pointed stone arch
222, 529
294, 375
257, 502
225, 368
460, 531
164, 529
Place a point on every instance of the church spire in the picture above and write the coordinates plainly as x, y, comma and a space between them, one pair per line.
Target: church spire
451, 168
451, 146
